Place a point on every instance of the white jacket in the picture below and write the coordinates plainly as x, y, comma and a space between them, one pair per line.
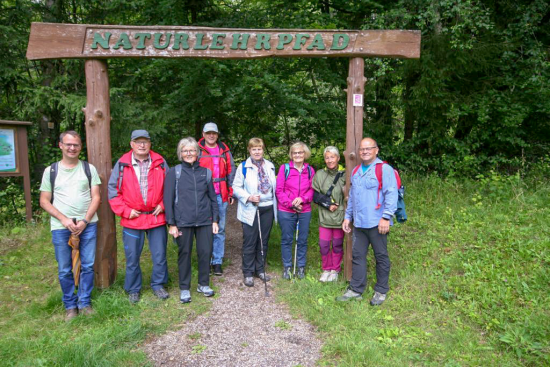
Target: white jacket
243, 188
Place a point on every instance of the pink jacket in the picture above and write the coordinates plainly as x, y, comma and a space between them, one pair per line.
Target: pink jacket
294, 185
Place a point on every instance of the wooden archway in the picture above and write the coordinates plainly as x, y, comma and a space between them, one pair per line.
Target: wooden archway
96, 43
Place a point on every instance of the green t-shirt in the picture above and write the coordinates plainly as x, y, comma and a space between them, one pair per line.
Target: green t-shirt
72, 195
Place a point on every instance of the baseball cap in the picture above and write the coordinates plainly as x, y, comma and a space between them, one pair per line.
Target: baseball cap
210, 126
136, 134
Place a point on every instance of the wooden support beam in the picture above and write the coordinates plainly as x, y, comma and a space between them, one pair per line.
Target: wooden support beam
354, 134
98, 139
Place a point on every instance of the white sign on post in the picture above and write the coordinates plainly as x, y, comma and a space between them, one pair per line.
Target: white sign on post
357, 100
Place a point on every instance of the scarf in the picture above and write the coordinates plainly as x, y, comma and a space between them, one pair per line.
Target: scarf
263, 179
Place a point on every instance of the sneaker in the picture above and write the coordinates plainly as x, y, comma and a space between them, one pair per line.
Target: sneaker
333, 276
88, 310
324, 277
349, 295
249, 281
70, 314
263, 276
217, 269
206, 290
161, 293
301, 272
378, 299
133, 298
185, 296
286, 273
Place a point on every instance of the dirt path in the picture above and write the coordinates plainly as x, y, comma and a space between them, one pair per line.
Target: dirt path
244, 328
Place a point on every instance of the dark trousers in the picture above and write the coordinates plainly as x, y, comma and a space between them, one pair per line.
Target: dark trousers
204, 237
362, 237
252, 255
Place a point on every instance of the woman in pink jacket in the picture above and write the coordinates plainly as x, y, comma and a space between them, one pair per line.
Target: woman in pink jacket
294, 196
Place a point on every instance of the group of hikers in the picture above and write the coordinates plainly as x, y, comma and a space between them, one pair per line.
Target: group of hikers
189, 203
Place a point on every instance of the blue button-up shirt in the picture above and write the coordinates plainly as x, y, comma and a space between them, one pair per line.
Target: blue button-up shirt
363, 196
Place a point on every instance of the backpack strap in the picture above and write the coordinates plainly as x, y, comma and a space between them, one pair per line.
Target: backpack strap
121, 167
309, 172
287, 170
53, 175
243, 169
178, 175
88, 173
378, 173
336, 178
355, 170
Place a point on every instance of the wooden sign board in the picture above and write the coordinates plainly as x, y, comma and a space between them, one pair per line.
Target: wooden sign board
14, 156
54, 41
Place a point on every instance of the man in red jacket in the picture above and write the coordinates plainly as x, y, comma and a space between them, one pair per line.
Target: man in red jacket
136, 190
216, 156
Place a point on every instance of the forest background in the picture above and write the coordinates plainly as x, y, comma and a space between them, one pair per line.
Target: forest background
477, 100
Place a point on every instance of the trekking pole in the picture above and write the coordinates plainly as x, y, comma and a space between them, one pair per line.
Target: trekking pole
296, 248
262, 251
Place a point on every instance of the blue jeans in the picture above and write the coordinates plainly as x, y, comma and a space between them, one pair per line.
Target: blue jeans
288, 222
219, 239
60, 239
133, 246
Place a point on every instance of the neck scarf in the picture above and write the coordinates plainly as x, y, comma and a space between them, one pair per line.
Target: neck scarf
263, 179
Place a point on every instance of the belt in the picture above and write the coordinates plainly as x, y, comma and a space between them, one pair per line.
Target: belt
151, 212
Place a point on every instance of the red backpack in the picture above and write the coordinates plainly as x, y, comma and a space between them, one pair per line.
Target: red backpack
378, 173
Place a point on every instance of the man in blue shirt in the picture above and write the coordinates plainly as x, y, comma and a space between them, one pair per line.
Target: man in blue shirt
371, 211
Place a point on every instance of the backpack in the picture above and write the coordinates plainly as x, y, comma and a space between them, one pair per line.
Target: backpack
400, 213
178, 175
53, 175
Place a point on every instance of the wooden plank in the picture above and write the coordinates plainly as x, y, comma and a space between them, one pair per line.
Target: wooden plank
24, 164
8, 122
55, 41
98, 139
354, 134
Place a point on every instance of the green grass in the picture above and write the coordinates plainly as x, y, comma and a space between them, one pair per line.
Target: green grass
32, 328
469, 287
469, 282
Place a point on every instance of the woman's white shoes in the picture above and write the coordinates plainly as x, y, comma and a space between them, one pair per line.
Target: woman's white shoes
329, 276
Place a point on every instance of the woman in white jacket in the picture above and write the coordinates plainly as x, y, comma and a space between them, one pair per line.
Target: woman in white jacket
254, 187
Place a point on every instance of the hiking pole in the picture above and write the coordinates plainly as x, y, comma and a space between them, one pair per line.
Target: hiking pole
296, 248
262, 251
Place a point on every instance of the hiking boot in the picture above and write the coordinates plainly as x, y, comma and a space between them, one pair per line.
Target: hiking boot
324, 277
378, 299
70, 314
301, 272
133, 298
88, 310
249, 281
217, 269
286, 273
161, 293
206, 290
263, 276
333, 276
185, 296
349, 295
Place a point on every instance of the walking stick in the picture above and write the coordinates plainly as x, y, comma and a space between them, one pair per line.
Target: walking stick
262, 251
296, 248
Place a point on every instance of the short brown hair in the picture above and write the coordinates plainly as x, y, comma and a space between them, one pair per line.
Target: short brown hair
256, 142
69, 132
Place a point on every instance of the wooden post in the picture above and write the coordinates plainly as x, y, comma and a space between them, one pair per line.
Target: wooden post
24, 161
98, 139
354, 134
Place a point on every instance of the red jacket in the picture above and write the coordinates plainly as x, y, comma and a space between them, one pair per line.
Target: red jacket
227, 167
126, 195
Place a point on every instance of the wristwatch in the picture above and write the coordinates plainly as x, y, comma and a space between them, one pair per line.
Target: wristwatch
85, 221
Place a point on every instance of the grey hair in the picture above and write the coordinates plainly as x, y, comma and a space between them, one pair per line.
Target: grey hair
333, 150
187, 142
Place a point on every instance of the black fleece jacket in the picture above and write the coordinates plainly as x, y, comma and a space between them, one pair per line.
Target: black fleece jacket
197, 204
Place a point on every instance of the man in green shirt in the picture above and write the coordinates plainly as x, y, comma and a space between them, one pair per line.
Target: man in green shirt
73, 211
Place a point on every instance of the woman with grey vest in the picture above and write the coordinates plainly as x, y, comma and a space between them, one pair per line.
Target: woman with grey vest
191, 211
254, 187
328, 186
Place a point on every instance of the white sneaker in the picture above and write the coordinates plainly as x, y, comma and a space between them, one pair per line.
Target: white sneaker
325, 276
333, 276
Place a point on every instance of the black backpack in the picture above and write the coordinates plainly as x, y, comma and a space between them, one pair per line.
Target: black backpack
53, 175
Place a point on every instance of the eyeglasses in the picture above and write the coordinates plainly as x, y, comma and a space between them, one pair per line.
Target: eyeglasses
74, 146
189, 152
298, 153
367, 149
142, 143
